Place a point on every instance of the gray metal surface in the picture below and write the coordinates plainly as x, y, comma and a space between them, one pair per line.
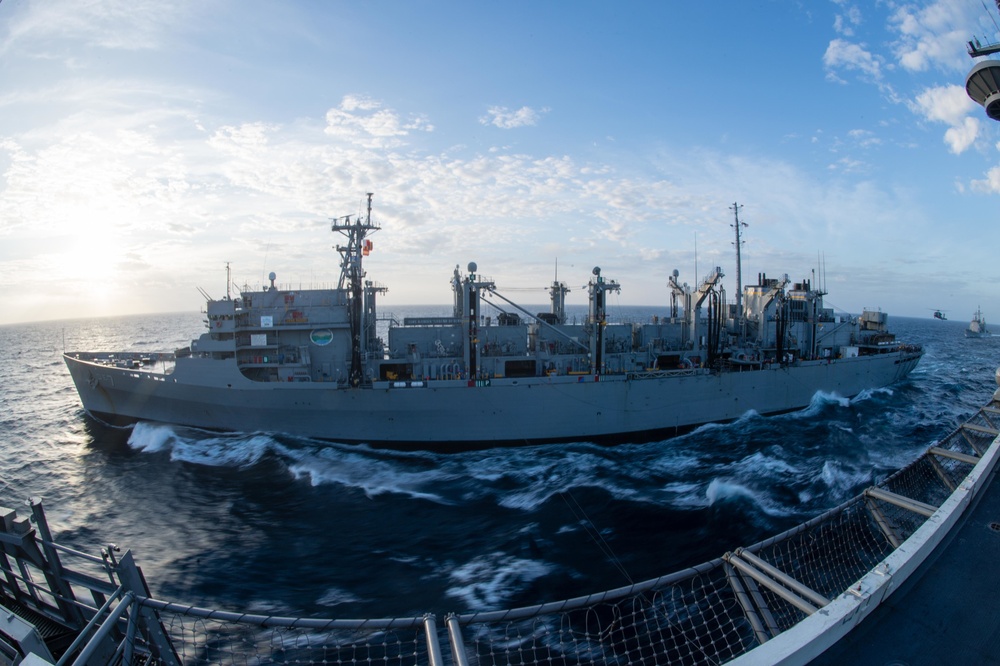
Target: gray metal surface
949, 613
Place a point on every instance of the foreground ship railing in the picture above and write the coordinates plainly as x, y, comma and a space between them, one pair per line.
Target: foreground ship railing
756, 605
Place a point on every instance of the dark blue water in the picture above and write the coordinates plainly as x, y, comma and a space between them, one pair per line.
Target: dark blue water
289, 526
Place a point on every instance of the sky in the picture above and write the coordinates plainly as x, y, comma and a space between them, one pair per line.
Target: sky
146, 145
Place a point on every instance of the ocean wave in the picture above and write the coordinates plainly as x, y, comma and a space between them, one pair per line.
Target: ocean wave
530, 486
335, 596
760, 464
527, 480
686, 495
873, 394
229, 450
819, 404
320, 464
842, 479
371, 475
487, 581
707, 428
151, 438
719, 490
723, 491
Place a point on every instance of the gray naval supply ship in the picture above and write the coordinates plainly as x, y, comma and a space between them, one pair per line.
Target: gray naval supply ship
310, 362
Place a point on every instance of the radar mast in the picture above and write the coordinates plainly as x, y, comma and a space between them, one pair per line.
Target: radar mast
352, 272
739, 268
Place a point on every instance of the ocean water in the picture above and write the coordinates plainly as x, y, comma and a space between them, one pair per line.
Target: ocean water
275, 524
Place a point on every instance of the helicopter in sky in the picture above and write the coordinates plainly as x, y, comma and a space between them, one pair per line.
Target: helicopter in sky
940, 314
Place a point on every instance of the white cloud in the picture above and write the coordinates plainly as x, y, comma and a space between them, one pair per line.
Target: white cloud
364, 120
960, 137
504, 118
991, 185
933, 35
112, 24
946, 104
171, 174
864, 138
176, 204
846, 22
848, 165
952, 106
841, 54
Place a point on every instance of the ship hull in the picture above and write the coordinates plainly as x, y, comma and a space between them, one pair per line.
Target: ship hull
462, 414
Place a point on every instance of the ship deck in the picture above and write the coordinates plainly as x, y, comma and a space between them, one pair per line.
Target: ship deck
947, 612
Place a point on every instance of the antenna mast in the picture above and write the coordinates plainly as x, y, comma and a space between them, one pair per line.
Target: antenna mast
351, 274
739, 268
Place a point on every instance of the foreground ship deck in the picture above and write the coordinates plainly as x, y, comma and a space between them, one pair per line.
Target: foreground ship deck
315, 363
801, 596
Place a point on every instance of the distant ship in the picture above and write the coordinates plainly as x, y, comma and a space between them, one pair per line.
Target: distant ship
977, 327
311, 362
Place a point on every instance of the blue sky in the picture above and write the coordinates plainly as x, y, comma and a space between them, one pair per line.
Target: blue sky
143, 145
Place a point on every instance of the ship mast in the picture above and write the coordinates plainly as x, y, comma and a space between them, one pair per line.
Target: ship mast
352, 272
976, 49
557, 293
739, 268
598, 317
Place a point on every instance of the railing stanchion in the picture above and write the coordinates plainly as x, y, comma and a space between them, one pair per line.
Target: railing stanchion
433, 646
455, 638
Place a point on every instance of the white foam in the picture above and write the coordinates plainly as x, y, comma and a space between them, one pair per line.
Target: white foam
225, 451
320, 464
336, 596
151, 438
199, 447
488, 581
265, 607
720, 490
758, 464
870, 393
360, 470
843, 480
555, 474
685, 495
819, 401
